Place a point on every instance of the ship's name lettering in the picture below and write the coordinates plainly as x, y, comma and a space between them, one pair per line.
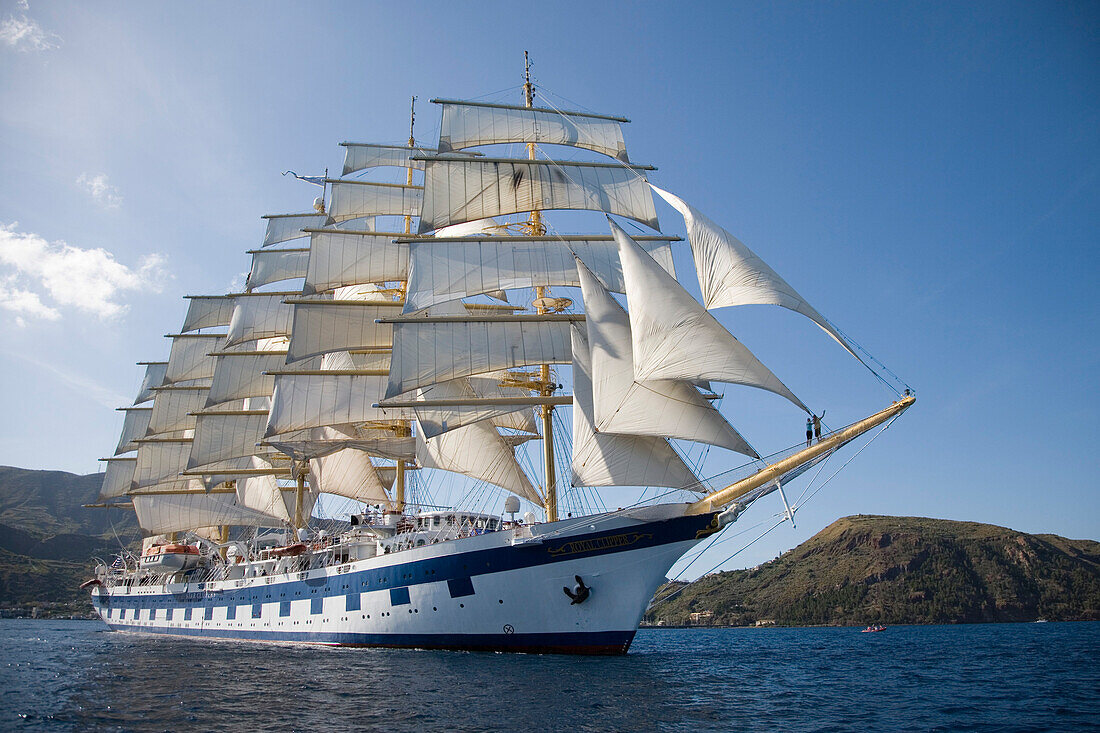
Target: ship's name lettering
599, 543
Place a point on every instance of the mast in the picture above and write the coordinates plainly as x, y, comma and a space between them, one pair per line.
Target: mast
404, 431
536, 228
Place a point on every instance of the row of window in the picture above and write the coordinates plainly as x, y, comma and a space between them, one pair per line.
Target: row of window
457, 587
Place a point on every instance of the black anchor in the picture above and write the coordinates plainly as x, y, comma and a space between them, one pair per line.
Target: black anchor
580, 592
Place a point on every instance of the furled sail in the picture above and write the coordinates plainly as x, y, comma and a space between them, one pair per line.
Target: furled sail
238, 375
437, 420
284, 227
136, 425
275, 265
665, 408
173, 406
479, 452
190, 357
351, 199
325, 326
732, 274
339, 258
117, 478
674, 337
155, 372
467, 124
316, 399
461, 189
316, 442
349, 473
207, 311
441, 270
361, 156
257, 316
179, 512
606, 459
426, 352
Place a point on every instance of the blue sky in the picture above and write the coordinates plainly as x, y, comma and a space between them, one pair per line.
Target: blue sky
925, 174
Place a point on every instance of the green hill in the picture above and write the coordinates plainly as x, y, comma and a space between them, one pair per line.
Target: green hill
48, 539
894, 570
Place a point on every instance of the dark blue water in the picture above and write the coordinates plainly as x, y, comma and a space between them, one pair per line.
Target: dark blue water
74, 675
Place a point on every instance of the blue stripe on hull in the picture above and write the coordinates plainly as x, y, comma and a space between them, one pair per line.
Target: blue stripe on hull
597, 642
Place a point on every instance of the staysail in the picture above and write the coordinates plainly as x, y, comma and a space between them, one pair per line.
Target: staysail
674, 337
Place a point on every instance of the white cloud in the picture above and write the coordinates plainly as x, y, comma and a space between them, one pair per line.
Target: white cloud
89, 280
236, 285
24, 34
24, 303
103, 192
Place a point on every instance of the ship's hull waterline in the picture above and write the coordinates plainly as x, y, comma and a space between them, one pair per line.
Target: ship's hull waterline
486, 593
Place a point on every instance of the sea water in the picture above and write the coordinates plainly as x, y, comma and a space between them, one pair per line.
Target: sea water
75, 675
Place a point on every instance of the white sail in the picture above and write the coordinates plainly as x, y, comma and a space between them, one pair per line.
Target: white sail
441, 270
479, 452
207, 311
224, 434
489, 385
348, 473
361, 156
460, 189
136, 425
438, 420
324, 326
284, 227
263, 494
190, 357
350, 199
674, 337
732, 274
428, 353
173, 406
666, 408
117, 478
316, 400
155, 372
241, 375
468, 228
275, 265
338, 258
160, 461
259, 316
177, 512
467, 124
606, 459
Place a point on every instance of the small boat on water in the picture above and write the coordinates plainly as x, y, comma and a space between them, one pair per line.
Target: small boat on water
873, 628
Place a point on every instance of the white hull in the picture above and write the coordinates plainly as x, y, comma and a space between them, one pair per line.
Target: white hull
490, 592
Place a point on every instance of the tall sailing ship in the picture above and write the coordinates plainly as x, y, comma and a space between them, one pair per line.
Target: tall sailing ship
449, 347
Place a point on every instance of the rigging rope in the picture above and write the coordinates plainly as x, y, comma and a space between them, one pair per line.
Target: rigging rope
798, 504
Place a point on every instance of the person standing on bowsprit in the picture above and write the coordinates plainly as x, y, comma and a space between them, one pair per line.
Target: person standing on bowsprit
809, 430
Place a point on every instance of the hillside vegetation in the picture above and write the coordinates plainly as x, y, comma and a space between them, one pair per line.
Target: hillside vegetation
892, 570
48, 539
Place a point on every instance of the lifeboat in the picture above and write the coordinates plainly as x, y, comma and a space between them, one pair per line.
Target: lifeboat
172, 557
873, 629
290, 550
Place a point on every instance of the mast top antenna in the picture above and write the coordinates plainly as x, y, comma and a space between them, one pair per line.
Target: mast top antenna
528, 87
